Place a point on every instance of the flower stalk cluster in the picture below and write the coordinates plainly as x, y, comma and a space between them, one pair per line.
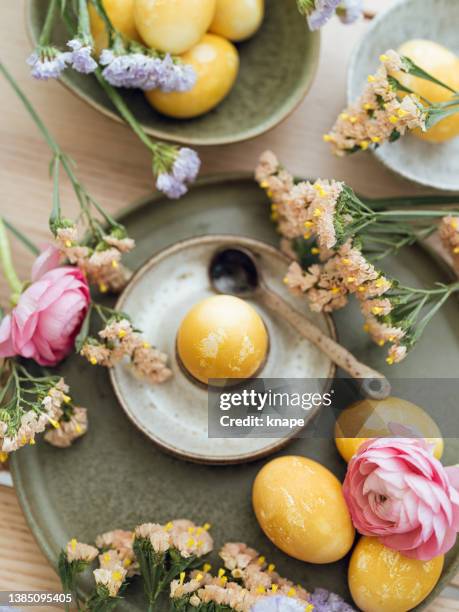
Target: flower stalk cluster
169, 558
119, 340
349, 237
30, 404
247, 583
165, 552
126, 64
387, 109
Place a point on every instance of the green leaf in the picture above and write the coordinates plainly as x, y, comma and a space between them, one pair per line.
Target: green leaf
412, 68
22, 237
84, 331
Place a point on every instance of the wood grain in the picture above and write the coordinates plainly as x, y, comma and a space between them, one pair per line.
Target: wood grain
116, 170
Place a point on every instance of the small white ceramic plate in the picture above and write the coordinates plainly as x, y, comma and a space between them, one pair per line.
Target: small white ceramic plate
433, 165
174, 414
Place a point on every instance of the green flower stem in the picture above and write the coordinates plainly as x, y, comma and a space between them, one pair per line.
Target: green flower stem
7, 264
411, 201
22, 238
59, 157
414, 214
47, 30
164, 154
84, 26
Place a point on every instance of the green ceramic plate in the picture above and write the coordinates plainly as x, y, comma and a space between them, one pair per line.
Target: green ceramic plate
277, 69
116, 477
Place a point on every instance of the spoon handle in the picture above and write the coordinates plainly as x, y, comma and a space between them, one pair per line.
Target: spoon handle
373, 383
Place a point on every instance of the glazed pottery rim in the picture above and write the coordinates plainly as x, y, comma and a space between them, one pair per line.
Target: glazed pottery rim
284, 111
218, 240
353, 60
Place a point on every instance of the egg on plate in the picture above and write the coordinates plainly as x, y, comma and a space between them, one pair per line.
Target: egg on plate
300, 506
382, 419
120, 13
216, 63
222, 337
383, 580
173, 26
237, 20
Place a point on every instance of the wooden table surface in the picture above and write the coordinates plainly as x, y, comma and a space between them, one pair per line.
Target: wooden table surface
116, 170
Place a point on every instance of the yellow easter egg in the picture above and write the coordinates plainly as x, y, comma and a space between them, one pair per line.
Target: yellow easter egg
383, 580
300, 506
121, 14
442, 64
237, 19
379, 419
222, 337
216, 63
173, 26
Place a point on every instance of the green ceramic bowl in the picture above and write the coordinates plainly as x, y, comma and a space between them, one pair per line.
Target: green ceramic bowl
277, 68
115, 477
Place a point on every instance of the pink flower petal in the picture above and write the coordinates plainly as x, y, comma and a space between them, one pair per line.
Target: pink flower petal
48, 259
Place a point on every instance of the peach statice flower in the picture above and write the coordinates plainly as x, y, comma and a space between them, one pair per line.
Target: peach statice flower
99, 258
169, 550
449, 234
387, 110
74, 559
32, 405
118, 340
117, 547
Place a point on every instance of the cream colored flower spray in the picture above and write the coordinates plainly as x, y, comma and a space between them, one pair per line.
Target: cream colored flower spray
387, 109
336, 240
85, 251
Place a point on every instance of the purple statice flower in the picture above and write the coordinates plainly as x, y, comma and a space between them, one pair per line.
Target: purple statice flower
350, 11
175, 77
81, 58
184, 170
170, 186
125, 70
324, 601
141, 71
323, 10
47, 63
186, 165
279, 603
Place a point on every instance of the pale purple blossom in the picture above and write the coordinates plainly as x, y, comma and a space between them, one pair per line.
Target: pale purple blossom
350, 11
186, 165
175, 77
47, 63
324, 601
170, 186
184, 170
278, 603
140, 71
80, 57
323, 10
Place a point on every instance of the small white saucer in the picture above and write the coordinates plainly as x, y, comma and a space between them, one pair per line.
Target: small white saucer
175, 415
432, 165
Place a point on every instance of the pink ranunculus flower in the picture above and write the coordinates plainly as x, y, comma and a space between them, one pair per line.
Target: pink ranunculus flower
398, 491
49, 313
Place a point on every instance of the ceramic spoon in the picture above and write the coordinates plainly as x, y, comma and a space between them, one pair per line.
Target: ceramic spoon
234, 271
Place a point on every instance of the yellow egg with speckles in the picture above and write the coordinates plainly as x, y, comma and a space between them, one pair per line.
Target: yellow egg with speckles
173, 26
216, 63
443, 64
222, 337
383, 580
121, 14
384, 418
237, 19
300, 506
